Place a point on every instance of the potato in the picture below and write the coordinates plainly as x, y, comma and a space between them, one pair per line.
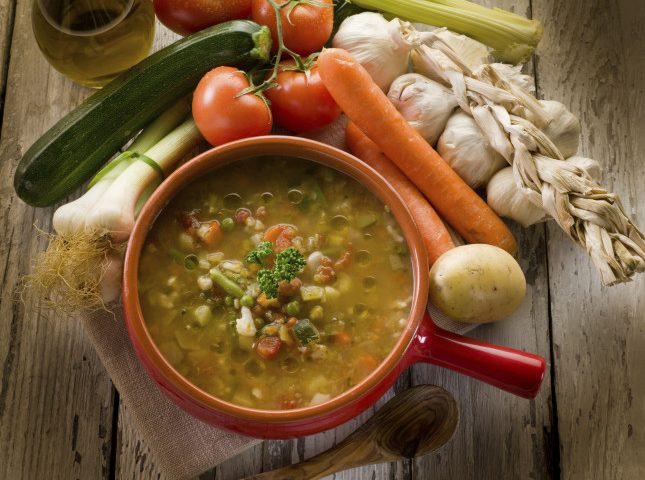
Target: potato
477, 284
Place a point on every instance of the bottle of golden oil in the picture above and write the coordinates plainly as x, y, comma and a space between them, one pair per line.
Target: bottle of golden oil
92, 41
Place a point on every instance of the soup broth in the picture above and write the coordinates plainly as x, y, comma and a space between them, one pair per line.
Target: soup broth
275, 283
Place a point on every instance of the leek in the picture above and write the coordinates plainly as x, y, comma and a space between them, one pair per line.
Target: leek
512, 37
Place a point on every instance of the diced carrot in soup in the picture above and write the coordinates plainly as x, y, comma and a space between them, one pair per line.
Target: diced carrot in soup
343, 338
213, 235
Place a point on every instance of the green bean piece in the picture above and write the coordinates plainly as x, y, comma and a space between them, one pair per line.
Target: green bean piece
293, 308
247, 301
228, 225
228, 285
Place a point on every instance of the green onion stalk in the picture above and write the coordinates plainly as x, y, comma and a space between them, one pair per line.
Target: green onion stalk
512, 37
81, 268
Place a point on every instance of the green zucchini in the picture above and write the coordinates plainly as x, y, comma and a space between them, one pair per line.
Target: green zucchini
73, 150
306, 332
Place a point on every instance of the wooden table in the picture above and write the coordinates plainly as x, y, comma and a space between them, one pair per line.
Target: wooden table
61, 418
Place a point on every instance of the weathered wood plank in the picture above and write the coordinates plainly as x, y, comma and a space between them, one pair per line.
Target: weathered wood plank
7, 11
55, 398
501, 436
243, 465
593, 60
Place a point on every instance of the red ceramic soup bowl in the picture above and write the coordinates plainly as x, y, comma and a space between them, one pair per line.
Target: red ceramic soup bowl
421, 341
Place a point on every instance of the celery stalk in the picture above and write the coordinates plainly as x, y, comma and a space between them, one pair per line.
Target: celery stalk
512, 37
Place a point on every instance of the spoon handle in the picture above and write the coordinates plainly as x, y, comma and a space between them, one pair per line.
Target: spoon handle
414, 422
343, 456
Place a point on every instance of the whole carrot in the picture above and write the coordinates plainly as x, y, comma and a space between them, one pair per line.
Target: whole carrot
367, 106
435, 236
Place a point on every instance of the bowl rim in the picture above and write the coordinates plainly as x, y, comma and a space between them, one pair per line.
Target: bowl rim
219, 157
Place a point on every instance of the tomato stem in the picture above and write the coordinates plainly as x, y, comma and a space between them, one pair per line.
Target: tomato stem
282, 49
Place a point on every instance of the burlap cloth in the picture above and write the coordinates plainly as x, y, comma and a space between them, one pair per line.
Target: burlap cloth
182, 446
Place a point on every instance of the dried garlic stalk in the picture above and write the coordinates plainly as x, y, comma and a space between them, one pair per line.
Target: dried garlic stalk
513, 122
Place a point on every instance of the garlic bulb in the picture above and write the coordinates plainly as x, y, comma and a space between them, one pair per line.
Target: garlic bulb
589, 165
564, 128
471, 52
507, 200
513, 73
380, 46
463, 145
425, 104
431, 63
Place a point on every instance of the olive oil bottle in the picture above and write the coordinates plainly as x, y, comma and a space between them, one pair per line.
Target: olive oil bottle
92, 41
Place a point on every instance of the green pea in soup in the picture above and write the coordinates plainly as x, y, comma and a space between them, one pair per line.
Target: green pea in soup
275, 283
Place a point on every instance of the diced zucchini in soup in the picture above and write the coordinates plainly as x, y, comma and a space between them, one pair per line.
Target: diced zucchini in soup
242, 324
306, 332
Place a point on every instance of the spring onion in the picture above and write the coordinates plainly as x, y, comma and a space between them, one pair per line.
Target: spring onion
76, 272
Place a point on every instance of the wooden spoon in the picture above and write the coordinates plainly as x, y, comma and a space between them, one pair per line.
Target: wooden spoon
414, 422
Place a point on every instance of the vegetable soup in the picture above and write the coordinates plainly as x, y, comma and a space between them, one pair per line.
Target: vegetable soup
275, 283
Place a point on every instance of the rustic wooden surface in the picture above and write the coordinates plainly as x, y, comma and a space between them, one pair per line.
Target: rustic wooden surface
593, 59
61, 418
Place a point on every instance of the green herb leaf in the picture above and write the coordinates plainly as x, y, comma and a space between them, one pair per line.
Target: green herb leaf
288, 264
268, 283
260, 253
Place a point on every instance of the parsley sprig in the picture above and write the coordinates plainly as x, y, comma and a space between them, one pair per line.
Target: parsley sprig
287, 265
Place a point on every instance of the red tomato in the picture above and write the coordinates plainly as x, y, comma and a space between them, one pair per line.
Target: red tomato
222, 117
188, 16
268, 347
307, 28
301, 104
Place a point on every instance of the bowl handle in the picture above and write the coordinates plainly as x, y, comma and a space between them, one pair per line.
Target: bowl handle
515, 371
